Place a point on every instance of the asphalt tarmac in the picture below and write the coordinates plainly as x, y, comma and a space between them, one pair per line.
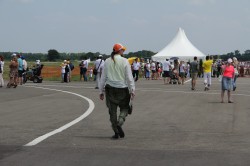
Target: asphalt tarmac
170, 126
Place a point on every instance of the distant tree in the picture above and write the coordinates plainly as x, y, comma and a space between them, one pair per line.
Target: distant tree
237, 53
90, 55
53, 55
247, 52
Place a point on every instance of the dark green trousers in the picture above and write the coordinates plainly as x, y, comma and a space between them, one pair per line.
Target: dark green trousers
117, 97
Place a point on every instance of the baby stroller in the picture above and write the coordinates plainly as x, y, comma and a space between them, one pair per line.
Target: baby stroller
173, 78
34, 74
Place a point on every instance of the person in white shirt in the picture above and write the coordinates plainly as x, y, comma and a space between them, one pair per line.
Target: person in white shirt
166, 67
119, 88
85, 69
182, 72
1, 71
98, 64
25, 66
147, 68
63, 66
136, 67
153, 70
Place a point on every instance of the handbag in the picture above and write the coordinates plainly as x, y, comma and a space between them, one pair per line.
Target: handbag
220, 78
95, 71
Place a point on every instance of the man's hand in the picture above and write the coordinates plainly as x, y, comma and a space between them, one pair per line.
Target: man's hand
132, 95
102, 96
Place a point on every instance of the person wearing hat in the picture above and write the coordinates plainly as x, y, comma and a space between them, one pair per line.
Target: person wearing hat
20, 69
227, 80
118, 83
98, 63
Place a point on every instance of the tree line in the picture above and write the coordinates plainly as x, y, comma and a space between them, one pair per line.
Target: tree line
54, 55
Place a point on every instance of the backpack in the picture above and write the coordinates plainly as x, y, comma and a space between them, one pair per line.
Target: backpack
71, 66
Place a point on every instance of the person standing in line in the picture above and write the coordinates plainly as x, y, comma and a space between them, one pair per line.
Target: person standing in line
207, 68
62, 71
119, 88
182, 72
142, 68
13, 73
67, 69
159, 71
236, 74
25, 66
147, 70
227, 80
90, 74
136, 67
81, 70
194, 69
97, 66
176, 70
188, 70
153, 70
1, 71
71, 68
85, 69
20, 69
166, 66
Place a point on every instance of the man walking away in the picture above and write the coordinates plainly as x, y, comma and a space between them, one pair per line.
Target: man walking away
194, 69
207, 68
119, 89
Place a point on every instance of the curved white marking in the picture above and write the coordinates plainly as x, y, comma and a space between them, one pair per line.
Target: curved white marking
45, 136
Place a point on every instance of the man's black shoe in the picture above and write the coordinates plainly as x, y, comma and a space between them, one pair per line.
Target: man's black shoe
121, 132
116, 136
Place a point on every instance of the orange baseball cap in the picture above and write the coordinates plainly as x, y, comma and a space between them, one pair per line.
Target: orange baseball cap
117, 47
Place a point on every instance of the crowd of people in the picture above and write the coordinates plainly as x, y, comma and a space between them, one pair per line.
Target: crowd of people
116, 78
18, 68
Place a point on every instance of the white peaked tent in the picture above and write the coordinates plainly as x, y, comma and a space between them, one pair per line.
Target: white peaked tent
179, 47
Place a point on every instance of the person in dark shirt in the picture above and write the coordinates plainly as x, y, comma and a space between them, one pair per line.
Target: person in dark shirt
194, 68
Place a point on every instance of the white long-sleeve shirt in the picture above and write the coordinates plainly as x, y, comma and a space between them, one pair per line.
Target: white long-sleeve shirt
117, 74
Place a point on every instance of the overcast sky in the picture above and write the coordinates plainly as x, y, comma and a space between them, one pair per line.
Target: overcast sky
213, 26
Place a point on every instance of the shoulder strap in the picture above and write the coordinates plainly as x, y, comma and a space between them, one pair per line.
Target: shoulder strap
99, 65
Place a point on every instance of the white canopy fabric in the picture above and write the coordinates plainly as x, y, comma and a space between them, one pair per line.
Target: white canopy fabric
179, 47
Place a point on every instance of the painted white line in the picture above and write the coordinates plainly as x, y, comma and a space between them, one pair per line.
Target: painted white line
45, 136
188, 80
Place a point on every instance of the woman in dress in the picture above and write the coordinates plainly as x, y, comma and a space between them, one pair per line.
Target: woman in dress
227, 80
13, 73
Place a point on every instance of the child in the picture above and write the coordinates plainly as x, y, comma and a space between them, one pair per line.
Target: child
62, 71
90, 74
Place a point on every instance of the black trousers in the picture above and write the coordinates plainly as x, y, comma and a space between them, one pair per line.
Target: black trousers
117, 97
136, 74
